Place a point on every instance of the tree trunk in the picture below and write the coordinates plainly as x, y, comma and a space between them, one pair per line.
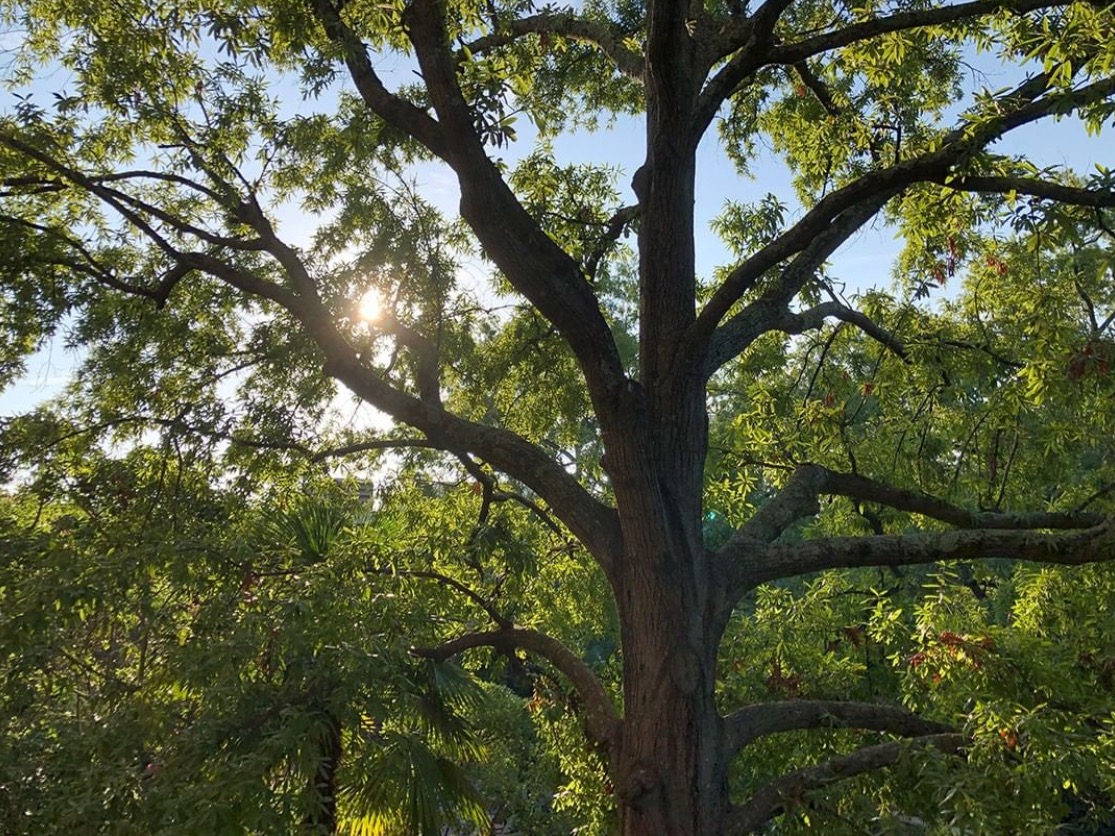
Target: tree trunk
670, 779
668, 771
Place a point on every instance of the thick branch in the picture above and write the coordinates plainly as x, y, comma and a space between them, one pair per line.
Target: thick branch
784, 793
761, 317
784, 560
821, 222
602, 720
394, 110
754, 47
751, 556
791, 53
567, 296
592, 522
798, 499
751, 39
770, 311
751, 722
374, 444
534, 264
916, 502
566, 24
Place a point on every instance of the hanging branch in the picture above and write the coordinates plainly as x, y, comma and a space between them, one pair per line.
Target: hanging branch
602, 721
784, 793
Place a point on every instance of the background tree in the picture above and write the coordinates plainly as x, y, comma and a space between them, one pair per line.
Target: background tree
140, 214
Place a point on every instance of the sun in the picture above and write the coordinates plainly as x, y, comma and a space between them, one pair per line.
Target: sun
370, 305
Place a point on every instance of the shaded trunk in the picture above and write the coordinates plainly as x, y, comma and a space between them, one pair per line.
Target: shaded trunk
670, 777
668, 771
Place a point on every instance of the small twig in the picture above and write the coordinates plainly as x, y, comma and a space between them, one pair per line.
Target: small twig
810, 80
502, 621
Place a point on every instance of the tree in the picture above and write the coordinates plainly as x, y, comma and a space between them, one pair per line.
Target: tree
140, 214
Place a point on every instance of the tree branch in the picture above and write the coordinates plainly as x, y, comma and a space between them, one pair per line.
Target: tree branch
748, 557
754, 46
92, 267
425, 352
797, 499
764, 314
396, 111
783, 793
751, 39
760, 318
793, 52
531, 261
817, 87
916, 502
748, 724
835, 217
591, 521
569, 25
51, 185
1033, 187
501, 621
184, 227
616, 225
180, 425
374, 444
491, 494
602, 719
784, 560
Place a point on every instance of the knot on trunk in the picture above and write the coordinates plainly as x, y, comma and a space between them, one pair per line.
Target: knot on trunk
640, 786
685, 670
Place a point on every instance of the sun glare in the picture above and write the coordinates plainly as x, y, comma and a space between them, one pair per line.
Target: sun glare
370, 306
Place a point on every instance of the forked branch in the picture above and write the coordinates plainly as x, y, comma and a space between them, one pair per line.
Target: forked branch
393, 109
794, 51
798, 499
838, 215
530, 260
592, 522
753, 556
